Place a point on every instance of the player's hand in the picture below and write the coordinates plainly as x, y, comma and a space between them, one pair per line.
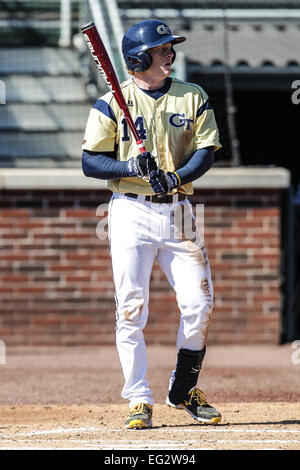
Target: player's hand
142, 165
163, 182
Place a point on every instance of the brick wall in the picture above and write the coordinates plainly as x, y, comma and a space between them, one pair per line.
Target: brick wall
56, 280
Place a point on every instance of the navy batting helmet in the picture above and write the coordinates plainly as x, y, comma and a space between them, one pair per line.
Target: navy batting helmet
143, 36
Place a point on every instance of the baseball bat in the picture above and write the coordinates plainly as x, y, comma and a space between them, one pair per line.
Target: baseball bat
103, 62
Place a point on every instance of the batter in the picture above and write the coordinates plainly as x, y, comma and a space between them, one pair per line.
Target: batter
177, 124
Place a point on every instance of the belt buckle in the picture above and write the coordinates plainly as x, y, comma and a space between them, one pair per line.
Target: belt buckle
163, 199
168, 199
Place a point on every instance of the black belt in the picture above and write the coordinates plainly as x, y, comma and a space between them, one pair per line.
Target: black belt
168, 199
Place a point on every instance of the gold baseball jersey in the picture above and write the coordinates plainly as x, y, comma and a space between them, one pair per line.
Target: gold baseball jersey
172, 128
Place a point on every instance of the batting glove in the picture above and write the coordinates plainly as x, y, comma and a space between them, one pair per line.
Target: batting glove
142, 165
163, 182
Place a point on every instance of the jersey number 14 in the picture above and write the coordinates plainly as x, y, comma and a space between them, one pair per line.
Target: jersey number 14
139, 124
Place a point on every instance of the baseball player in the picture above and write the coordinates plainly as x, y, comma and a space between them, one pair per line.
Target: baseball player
177, 124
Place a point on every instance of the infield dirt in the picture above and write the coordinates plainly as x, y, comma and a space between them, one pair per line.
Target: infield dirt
69, 398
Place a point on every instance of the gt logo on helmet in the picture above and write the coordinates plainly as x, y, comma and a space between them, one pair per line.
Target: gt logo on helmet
163, 29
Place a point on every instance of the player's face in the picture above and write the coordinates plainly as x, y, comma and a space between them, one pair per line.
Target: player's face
162, 57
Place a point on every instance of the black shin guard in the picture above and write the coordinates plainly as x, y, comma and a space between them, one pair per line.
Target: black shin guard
186, 375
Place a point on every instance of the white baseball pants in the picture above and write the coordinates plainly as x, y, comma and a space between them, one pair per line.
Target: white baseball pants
141, 232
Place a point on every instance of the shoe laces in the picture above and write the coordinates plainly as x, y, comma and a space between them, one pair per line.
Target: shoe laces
198, 396
139, 408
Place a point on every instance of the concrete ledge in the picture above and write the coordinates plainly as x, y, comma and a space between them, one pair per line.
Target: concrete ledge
52, 178
245, 177
216, 178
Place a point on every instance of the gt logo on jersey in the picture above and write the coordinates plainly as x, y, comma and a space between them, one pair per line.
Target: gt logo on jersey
179, 120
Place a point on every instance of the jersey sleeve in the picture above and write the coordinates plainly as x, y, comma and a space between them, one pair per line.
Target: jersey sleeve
206, 132
100, 131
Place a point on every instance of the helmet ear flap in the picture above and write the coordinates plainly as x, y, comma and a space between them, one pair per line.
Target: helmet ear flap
146, 62
140, 62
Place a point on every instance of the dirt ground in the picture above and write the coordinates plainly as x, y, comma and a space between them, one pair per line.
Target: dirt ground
69, 398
